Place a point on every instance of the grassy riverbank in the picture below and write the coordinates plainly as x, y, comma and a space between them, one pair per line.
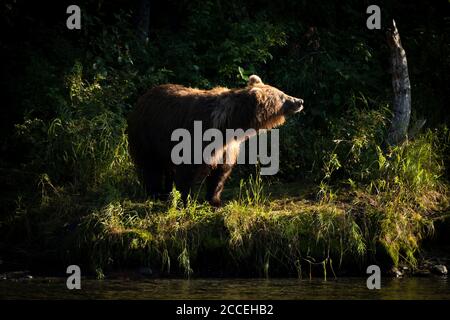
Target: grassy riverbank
264, 229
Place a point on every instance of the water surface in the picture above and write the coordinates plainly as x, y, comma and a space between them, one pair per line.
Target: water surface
340, 289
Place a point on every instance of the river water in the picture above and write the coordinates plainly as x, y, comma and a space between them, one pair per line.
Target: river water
339, 289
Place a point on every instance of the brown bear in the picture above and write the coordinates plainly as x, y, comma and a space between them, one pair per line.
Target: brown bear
168, 107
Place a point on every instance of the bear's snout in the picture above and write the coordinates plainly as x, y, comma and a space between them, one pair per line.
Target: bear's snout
293, 105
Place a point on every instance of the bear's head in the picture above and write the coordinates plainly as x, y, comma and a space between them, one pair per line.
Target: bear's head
272, 105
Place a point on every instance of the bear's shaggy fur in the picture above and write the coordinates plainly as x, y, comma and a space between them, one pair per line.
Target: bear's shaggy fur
168, 107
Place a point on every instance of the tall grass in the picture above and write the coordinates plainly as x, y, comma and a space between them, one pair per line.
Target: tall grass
396, 189
255, 239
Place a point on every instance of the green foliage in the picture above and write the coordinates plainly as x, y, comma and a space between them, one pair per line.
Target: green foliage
396, 189
85, 145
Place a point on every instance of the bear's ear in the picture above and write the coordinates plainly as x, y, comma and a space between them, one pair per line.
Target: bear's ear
257, 93
254, 79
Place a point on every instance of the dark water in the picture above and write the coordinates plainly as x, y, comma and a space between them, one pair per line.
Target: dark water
342, 288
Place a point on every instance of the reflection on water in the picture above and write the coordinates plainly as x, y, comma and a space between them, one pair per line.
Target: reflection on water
342, 288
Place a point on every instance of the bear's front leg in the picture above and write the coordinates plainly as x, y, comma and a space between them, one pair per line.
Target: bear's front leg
215, 183
153, 178
184, 178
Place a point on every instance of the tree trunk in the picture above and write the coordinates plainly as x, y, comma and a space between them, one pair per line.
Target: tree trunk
398, 130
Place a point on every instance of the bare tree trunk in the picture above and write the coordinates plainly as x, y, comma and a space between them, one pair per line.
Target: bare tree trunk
398, 130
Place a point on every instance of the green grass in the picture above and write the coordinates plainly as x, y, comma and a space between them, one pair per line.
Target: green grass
283, 235
294, 234
264, 229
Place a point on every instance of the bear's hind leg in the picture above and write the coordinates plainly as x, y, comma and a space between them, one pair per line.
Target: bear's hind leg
168, 184
215, 183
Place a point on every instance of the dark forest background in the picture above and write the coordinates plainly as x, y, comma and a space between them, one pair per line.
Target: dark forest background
322, 52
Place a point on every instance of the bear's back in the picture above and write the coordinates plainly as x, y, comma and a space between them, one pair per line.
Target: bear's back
180, 91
